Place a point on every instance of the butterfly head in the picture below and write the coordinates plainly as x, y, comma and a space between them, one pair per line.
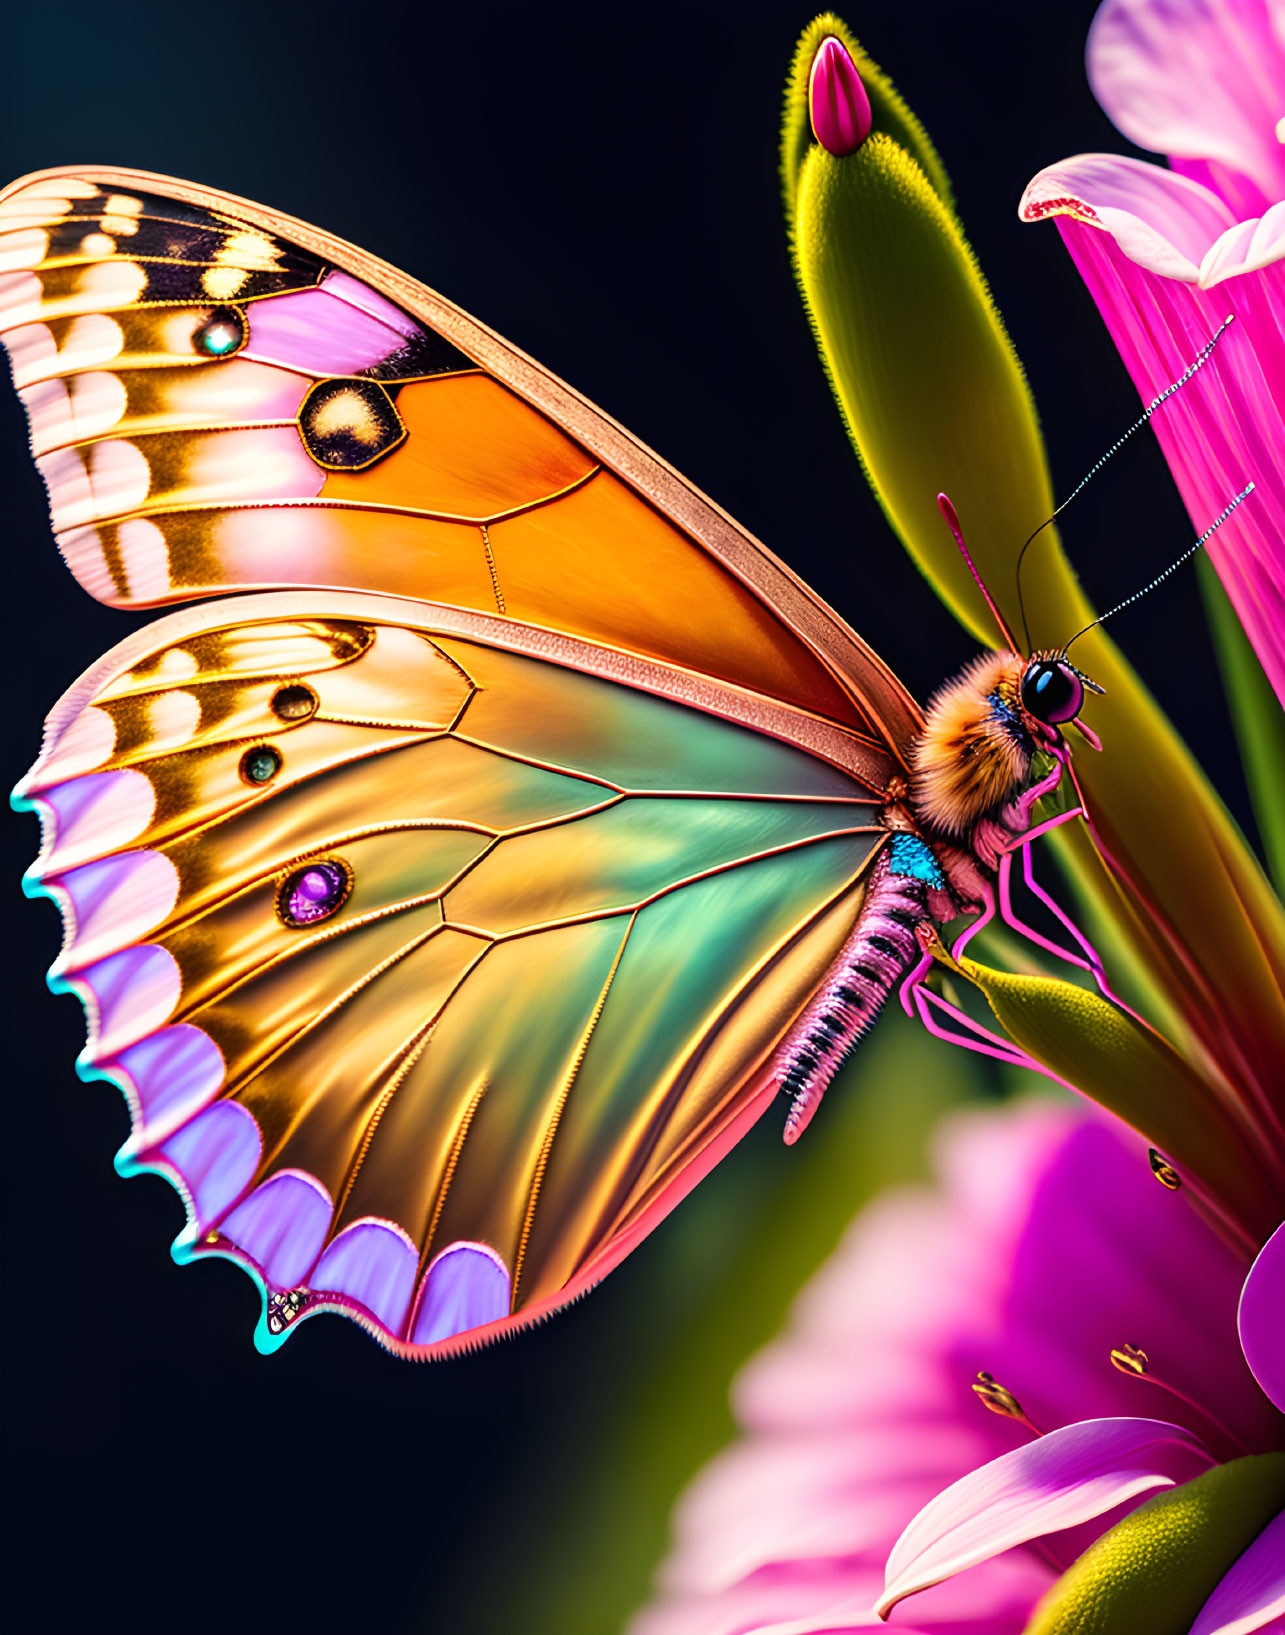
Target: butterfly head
1052, 689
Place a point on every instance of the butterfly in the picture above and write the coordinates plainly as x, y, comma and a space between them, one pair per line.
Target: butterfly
502, 828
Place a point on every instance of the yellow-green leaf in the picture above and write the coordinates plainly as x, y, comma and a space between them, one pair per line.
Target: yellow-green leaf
1155, 1570
926, 378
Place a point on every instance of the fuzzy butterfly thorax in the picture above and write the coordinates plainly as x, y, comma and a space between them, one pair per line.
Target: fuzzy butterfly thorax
976, 750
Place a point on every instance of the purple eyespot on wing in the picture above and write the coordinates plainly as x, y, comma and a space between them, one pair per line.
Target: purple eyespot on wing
313, 893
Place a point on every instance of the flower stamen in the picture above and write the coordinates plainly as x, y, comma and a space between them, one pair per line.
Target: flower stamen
1163, 1171
1131, 1359
1000, 1400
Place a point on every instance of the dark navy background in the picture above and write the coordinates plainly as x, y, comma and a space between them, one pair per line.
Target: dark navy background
599, 185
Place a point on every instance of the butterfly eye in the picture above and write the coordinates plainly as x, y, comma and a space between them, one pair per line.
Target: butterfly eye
1052, 691
222, 333
261, 764
313, 893
294, 703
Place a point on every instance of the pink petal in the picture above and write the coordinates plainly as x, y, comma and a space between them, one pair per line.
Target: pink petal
830, 1600
1246, 247
1202, 81
795, 1500
860, 1413
1261, 1318
1227, 427
1060, 1480
1253, 1593
1161, 221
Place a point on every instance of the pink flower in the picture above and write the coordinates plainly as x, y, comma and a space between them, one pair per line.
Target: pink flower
1168, 255
1048, 1244
1080, 1471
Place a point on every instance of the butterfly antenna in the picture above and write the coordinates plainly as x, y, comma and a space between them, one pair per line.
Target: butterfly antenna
1161, 577
952, 522
1102, 460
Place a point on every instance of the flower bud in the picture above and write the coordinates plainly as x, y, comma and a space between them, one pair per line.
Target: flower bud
837, 102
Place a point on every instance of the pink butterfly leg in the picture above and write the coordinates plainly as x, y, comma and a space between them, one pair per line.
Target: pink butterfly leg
919, 1001
1091, 960
1088, 958
908, 993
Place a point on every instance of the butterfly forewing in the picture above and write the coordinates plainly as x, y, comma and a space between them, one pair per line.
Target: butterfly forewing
336, 437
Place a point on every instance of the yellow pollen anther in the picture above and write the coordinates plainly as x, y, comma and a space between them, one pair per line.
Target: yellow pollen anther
997, 1397
1129, 1360
1163, 1170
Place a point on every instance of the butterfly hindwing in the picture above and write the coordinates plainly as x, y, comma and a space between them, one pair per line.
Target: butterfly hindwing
557, 925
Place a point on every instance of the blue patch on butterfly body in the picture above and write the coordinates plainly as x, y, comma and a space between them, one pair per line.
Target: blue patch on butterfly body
908, 855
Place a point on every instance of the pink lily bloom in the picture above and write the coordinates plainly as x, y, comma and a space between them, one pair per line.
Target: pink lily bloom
1168, 255
1047, 1245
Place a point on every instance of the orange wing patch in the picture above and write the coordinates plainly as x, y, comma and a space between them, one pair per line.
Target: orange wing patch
473, 449
601, 564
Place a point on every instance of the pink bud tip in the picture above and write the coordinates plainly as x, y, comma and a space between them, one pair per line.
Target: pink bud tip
837, 102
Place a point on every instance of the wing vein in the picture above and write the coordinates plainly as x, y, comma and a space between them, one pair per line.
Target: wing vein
664, 891
302, 502
405, 1058
491, 568
555, 1118
325, 1013
452, 1161
741, 995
